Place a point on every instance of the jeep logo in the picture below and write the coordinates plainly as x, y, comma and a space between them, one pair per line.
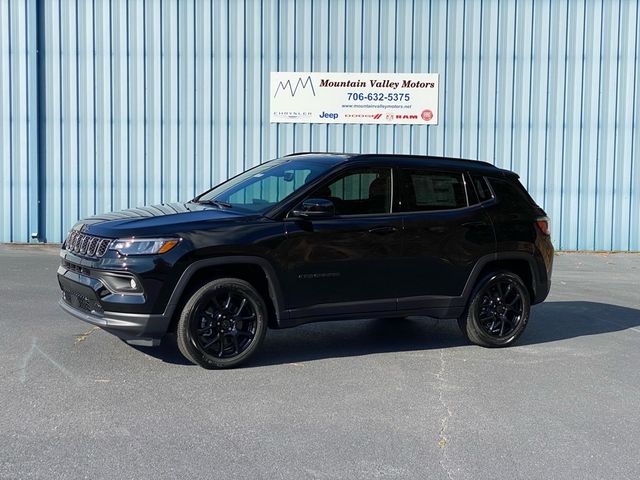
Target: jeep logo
329, 115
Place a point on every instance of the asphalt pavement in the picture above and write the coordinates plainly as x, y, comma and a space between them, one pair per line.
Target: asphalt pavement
368, 399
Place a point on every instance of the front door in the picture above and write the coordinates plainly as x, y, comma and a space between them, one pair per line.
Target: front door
348, 262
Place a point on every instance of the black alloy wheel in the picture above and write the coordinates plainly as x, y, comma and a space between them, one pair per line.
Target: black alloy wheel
222, 324
498, 311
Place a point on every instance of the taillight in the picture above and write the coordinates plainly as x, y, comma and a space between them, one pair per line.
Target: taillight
543, 225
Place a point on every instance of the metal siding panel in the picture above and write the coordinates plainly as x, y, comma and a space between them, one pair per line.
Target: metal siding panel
634, 175
32, 121
156, 100
6, 119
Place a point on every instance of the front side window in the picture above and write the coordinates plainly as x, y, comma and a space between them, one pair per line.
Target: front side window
424, 190
360, 192
262, 187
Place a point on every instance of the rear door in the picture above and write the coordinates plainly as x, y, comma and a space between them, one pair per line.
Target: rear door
444, 235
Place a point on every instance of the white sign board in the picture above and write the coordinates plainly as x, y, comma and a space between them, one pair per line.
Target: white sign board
377, 98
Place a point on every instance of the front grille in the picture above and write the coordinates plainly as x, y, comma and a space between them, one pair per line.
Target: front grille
78, 300
76, 268
87, 245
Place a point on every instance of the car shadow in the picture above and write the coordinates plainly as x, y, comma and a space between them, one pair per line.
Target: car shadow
550, 322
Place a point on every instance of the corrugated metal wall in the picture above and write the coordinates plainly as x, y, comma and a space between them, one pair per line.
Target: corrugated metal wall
149, 101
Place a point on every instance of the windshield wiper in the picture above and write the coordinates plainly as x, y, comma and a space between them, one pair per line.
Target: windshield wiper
217, 203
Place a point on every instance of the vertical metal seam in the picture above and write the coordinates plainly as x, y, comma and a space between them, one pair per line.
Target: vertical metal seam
595, 210
128, 59
211, 115
495, 99
480, 82
29, 120
144, 101
62, 169
95, 115
378, 69
311, 66
178, 103
529, 121
564, 120
344, 68
513, 82
584, 43
295, 58
278, 33
111, 98
429, 70
78, 196
11, 54
161, 106
464, 31
413, 60
227, 86
546, 115
195, 101
615, 126
41, 96
633, 123
244, 90
327, 129
394, 128
361, 58
446, 68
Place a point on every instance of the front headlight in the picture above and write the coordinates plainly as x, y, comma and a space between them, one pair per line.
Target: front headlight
144, 246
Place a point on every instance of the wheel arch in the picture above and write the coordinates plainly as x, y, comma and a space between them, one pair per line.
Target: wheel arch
520, 263
255, 270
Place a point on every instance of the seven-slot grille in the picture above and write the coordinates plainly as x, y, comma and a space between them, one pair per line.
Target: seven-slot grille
86, 244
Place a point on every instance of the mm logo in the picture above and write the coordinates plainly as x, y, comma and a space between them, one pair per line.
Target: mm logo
301, 83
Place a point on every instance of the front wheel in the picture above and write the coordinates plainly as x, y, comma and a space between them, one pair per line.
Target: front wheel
498, 311
222, 324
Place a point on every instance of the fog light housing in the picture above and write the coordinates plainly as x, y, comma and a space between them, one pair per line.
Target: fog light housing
121, 283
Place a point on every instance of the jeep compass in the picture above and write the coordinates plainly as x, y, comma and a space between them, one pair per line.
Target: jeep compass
313, 237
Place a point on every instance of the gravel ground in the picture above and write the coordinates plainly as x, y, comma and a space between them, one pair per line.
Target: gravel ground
341, 400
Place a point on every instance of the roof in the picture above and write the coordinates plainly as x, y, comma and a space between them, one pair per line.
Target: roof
407, 160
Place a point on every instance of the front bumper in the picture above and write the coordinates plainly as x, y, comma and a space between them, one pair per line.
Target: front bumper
88, 299
135, 328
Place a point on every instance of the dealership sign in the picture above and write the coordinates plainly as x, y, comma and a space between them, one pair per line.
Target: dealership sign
377, 98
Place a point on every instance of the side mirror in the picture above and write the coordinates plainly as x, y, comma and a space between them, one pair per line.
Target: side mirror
315, 208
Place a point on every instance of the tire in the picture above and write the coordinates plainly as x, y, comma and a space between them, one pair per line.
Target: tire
223, 324
498, 311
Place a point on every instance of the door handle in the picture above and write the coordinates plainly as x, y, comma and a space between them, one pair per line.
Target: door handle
383, 230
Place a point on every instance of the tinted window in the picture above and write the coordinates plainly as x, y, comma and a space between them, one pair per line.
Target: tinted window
513, 195
482, 188
359, 192
262, 187
424, 190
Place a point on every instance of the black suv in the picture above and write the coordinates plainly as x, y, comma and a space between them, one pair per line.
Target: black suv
313, 237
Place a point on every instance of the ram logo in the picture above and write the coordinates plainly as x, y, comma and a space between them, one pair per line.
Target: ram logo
301, 83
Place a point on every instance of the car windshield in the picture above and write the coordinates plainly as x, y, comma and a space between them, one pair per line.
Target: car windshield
260, 188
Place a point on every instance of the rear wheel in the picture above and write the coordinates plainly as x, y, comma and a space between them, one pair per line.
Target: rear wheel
498, 311
223, 324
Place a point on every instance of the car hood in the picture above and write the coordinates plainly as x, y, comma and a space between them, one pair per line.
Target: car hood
154, 220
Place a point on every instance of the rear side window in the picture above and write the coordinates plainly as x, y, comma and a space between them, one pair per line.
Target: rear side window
512, 193
424, 190
482, 188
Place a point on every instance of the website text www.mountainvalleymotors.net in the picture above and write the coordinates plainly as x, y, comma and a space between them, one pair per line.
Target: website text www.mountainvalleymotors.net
376, 105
